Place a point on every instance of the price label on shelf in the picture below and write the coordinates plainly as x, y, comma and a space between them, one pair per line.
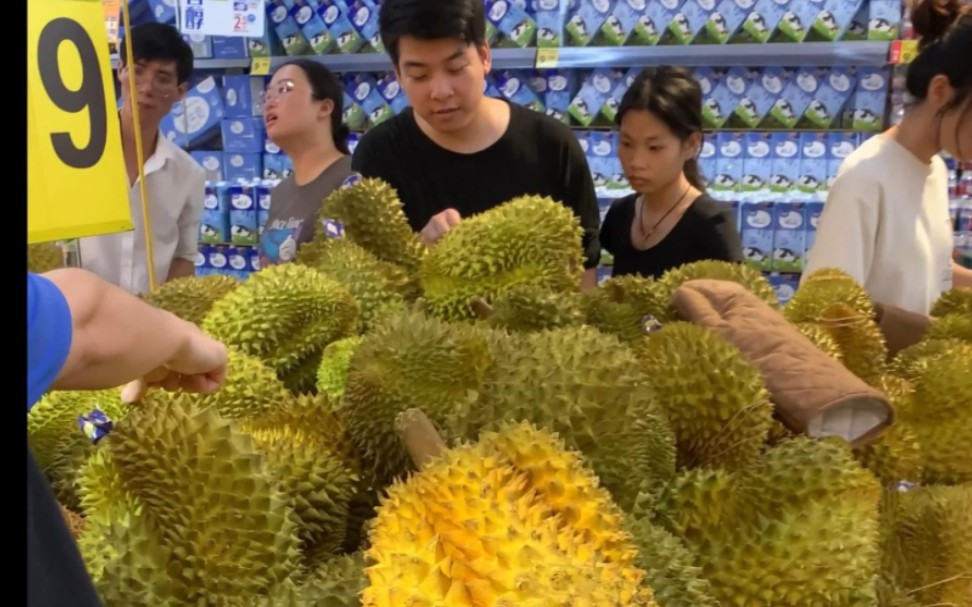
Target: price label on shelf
246, 18
903, 51
547, 58
260, 66
76, 180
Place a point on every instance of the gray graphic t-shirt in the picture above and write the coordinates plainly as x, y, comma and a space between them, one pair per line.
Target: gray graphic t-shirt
293, 212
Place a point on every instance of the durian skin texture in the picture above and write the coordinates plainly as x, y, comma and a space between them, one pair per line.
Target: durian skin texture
332, 376
528, 240
478, 527
752, 279
55, 417
190, 298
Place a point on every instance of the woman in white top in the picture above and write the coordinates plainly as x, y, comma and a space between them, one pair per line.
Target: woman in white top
886, 221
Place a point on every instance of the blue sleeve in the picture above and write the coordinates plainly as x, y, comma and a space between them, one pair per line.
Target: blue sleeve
49, 332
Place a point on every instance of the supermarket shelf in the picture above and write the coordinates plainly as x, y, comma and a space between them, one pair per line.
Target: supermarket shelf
866, 53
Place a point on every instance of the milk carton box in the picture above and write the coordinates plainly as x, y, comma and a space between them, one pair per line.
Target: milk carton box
884, 20
276, 167
730, 162
653, 24
609, 111
857, 30
836, 87
555, 87
866, 110
164, 11
354, 116
286, 28
789, 225
211, 162
201, 45
726, 90
689, 21
229, 47
762, 21
515, 87
618, 181
622, 26
834, 19
765, 87
593, 95
392, 92
601, 155
758, 234
242, 96
201, 261
347, 40
517, 27
364, 91
707, 159
757, 165
726, 19
245, 168
244, 223
214, 225
243, 135
798, 93
550, 23
785, 171
196, 119
798, 20
312, 27
217, 258
786, 286
265, 45
364, 16
814, 165
586, 19
841, 145
263, 207
814, 210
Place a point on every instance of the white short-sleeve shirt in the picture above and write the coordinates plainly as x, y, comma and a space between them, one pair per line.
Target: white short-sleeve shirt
176, 188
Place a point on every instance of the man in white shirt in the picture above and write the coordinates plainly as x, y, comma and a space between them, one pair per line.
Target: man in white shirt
174, 182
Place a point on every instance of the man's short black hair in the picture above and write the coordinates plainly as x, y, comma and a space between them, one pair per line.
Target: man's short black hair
159, 42
463, 20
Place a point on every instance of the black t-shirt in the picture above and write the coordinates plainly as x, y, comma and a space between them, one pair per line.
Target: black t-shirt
707, 231
536, 156
56, 574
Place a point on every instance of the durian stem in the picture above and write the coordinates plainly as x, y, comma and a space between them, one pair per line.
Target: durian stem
419, 436
481, 308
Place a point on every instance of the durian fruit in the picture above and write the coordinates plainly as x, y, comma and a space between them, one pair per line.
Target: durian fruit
752, 279
820, 338
182, 509
671, 570
55, 417
939, 414
527, 308
190, 298
74, 523
594, 392
285, 315
528, 240
896, 455
251, 388
72, 451
714, 397
832, 300
627, 307
380, 287
44, 256
952, 326
370, 215
956, 301
799, 527
928, 546
336, 583
695, 504
332, 376
513, 519
410, 361
910, 363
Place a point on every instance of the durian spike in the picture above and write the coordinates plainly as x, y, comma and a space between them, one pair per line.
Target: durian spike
481, 307
421, 439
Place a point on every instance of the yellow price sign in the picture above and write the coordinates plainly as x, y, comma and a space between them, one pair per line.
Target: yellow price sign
76, 179
547, 58
260, 66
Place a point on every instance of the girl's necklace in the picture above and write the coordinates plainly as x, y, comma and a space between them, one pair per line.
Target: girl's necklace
641, 212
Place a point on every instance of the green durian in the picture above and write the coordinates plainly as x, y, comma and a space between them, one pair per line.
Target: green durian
820, 338
528, 240
338, 582
72, 451
594, 393
371, 216
952, 326
181, 508
285, 315
752, 279
956, 301
411, 361
55, 417
672, 572
44, 256
695, 504
896, 455
527, 308
332, 375
715, 398
190, 298
251, 388
626, 307
911, 362
379, 287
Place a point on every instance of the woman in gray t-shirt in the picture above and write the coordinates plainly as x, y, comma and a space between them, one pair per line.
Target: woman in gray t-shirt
303, 115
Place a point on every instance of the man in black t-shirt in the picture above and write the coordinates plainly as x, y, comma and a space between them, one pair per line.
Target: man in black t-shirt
455, 152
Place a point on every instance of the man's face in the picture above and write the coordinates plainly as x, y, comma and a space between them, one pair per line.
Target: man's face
157, 88
444, 80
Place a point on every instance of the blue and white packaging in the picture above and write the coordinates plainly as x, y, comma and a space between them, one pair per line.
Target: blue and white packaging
515, 87
211, 162
798, 20
550, 23
707, 160
835, 18
601, 154
730, 161
354, 116
765, 87
814, 210
217, 258
195, 119
884, 20
841, 145
286, 28
364, 91
242, 96
867, 107
857, 30
592, 96
757, 165
392, 93
254, 265
790, 238
244, 224
335, 17
312, 27
786, 286
623, 82
238, 260
353, 140
762, 21
797, 96
364, 16
726, 90
689, 21
785, 170
229, 47
263, 46
201, 262
513, 22
243, 135
586, 20
757, 234
201, 45
555, 89
727, 18
242, 167
836, 87
620, 27
214, 223
814, 164
653, 25
163, 11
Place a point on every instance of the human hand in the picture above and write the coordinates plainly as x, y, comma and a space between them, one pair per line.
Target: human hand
439, 225
199, 367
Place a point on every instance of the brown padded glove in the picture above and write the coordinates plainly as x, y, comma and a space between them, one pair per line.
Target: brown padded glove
900, 328
813, 393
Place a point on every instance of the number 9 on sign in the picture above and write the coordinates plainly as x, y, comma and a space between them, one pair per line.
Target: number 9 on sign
75, 169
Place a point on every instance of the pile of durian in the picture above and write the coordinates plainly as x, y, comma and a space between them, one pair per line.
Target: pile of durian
462, 425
